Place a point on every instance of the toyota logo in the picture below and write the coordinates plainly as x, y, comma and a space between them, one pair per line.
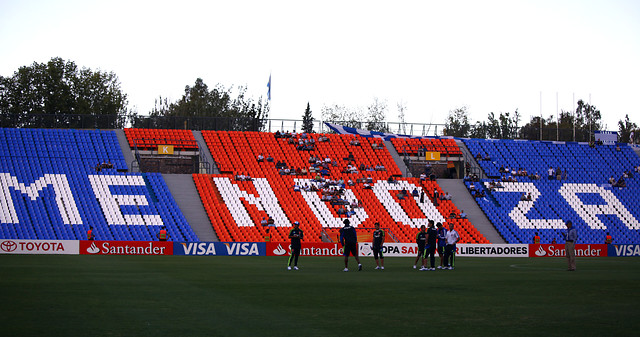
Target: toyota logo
8, 246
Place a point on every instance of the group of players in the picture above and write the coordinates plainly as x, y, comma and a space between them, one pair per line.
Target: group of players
428, 240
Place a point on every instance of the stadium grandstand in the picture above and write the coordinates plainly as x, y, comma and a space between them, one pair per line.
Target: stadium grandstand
57, 183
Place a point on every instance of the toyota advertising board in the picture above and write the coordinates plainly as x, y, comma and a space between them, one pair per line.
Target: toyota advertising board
126, 247
39, 247
557, 250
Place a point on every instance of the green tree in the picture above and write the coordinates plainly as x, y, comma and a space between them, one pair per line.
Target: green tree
59, 94
204, 108
340, 114
625, 127
588, 120
307, 120
377, 114
457, 123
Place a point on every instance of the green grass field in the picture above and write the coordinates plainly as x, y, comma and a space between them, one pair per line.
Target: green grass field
239, 296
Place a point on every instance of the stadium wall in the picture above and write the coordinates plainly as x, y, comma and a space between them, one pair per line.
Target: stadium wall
84, 247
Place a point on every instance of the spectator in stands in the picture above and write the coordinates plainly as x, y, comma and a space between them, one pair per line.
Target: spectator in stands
350, 182
303, 171
608, 239
558, 173
369, 179
90, 235
463, 215
523, 197
403, 193
631, 140
269, 159
617, 148
452, 215
502, 169
551, 173
278, 134
391, 180
620, 183
536, 239
478, 156
296, 187
565, 174
98, 168
423, 177
443, 197
612, 180
421, 196
260, 158
447, 196
162, 235
415, 193
354, 142
487, 157
534, 176
366, 186
341, 211
263, 222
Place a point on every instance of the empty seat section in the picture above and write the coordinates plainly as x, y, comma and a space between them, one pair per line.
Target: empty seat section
582, 194
58, 183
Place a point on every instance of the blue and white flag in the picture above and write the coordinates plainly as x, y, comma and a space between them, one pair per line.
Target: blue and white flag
269, 90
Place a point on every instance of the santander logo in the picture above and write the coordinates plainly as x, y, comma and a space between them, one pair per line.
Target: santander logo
541, 252
279, 250
93, 249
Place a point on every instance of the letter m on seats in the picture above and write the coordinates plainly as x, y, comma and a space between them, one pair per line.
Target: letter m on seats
64, 199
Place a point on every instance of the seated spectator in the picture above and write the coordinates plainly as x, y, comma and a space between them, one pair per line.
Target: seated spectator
354, 142
612, 180
402, 194
452, 215
366, 186
415, 193
263, 222
391, 180
270, 222
269, 159
296, 187
502, 169
487, 157
478, 156
447, 196
260, 158
291, 140
278, 134
442, 197
423, 177
463, 215
620, 183
523, 197
303, 171
349, 157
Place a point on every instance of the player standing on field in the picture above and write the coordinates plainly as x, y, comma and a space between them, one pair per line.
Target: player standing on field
349, 242
430, 249
296, 236
421, 240
450, 249
378, 241
442, 242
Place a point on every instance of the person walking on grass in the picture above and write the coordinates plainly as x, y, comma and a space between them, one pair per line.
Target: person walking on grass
376, 246
296, 235
349, 242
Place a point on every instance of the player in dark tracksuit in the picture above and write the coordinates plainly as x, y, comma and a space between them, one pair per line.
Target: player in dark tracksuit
296, 235
442, 242
430, 249
349, 242
378, 241
421, 240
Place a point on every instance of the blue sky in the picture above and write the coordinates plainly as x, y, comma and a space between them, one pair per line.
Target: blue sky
431, 56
